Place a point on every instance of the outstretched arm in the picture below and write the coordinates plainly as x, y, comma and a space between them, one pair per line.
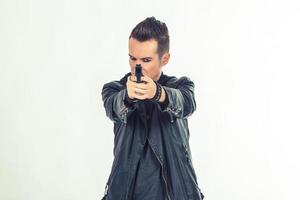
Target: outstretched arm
118, 106
179, 101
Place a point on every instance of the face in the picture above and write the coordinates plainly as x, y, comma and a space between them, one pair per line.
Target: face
145, 53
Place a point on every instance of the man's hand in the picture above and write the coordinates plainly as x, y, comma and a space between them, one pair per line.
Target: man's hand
141, 91
145, 90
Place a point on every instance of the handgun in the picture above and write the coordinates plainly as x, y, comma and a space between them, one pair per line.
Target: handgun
138, 73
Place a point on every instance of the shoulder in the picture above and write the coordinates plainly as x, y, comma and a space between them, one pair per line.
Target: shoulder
174, 81
116, 84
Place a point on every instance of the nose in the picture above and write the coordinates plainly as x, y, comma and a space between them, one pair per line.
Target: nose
137, 62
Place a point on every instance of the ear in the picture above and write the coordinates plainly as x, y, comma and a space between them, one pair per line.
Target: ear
165, 58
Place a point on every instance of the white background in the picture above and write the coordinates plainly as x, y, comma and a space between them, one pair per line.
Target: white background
55, 56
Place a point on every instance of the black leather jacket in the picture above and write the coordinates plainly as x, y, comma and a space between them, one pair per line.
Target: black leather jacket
168, 137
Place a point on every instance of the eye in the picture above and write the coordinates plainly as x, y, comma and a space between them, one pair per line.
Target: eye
132, 58
146, 60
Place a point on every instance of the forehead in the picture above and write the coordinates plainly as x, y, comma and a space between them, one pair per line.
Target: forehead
142, 49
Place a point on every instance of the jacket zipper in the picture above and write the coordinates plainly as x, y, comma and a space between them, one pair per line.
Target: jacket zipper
162, 170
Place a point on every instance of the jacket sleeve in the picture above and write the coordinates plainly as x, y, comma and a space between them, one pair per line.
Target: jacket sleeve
114, 97
180, 101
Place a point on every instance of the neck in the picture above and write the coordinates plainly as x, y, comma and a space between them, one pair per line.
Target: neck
158, 76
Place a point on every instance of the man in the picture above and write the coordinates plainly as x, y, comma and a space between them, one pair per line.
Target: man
152, 158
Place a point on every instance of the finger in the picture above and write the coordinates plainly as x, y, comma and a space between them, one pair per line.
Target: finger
131, 78
143, 97
141, 91
141, 86
146, 79
132, 84
140, 96
129, 83
134, 94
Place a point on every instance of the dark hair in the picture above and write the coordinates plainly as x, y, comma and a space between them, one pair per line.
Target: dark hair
151, 28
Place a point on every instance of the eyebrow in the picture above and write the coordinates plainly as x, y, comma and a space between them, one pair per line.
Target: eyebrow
141, 58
